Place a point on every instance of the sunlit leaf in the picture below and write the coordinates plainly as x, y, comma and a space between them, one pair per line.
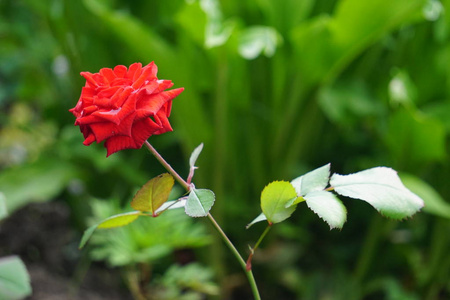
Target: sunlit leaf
380, 187
14, 279
434, 203
199, 202
327, 206
111, 222
261, 217
257, 40
153, 194
274, 198
120, 220
315, 180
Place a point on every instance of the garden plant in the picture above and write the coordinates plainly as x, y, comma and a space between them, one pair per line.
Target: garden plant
272, 90
125, 106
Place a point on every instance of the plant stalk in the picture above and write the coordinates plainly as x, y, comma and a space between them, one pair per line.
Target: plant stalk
249, 273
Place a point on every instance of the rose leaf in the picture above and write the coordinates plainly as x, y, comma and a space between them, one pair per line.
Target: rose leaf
153, 194
261, 217
199, 202
315, 180
380, 187
274, 198
328, 207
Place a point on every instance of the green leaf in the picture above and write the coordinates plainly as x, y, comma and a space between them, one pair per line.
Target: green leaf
274, 198
196, 30
132, 32
120, 219
111, 222
199, 202
328, 44
172, 205
257, 40
35, 182
153, 194
194, 155
87, 235
261, 217
327, 206
415, 139
315, 180
434, 203
3, 210
14, 279
380, 187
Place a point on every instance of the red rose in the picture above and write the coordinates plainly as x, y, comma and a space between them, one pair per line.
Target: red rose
124, 107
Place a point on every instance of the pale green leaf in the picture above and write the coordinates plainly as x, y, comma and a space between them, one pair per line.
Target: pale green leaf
153, 194
14, 279
120, 219
172, 205
199, 202
328, 207
315, 180
257, 40
35, 182
380, 187
434, 203
261, 217
194, 155
274, 198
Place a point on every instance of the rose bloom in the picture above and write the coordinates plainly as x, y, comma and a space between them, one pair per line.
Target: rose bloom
124, 107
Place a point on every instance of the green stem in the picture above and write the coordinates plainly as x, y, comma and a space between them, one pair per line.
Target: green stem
167, 166
225, 238
249, 273
263, 235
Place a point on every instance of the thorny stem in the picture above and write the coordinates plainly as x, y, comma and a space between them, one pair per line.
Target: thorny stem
225, 238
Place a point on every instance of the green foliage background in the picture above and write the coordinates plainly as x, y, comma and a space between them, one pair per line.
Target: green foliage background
273, 89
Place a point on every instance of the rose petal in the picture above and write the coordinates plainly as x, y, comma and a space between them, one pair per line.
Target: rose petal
163, 85
149, 105
148, 73
120, 71
141, 131
161, 118
108, 92
90, 119
105, 130
108, 75
134, 70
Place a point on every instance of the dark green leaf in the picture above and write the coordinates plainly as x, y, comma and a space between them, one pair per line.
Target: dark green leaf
434, 203
3, 210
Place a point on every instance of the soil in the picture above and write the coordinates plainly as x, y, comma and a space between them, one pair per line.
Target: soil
41, 235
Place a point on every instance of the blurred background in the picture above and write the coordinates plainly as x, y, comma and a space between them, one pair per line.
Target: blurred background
273, 89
